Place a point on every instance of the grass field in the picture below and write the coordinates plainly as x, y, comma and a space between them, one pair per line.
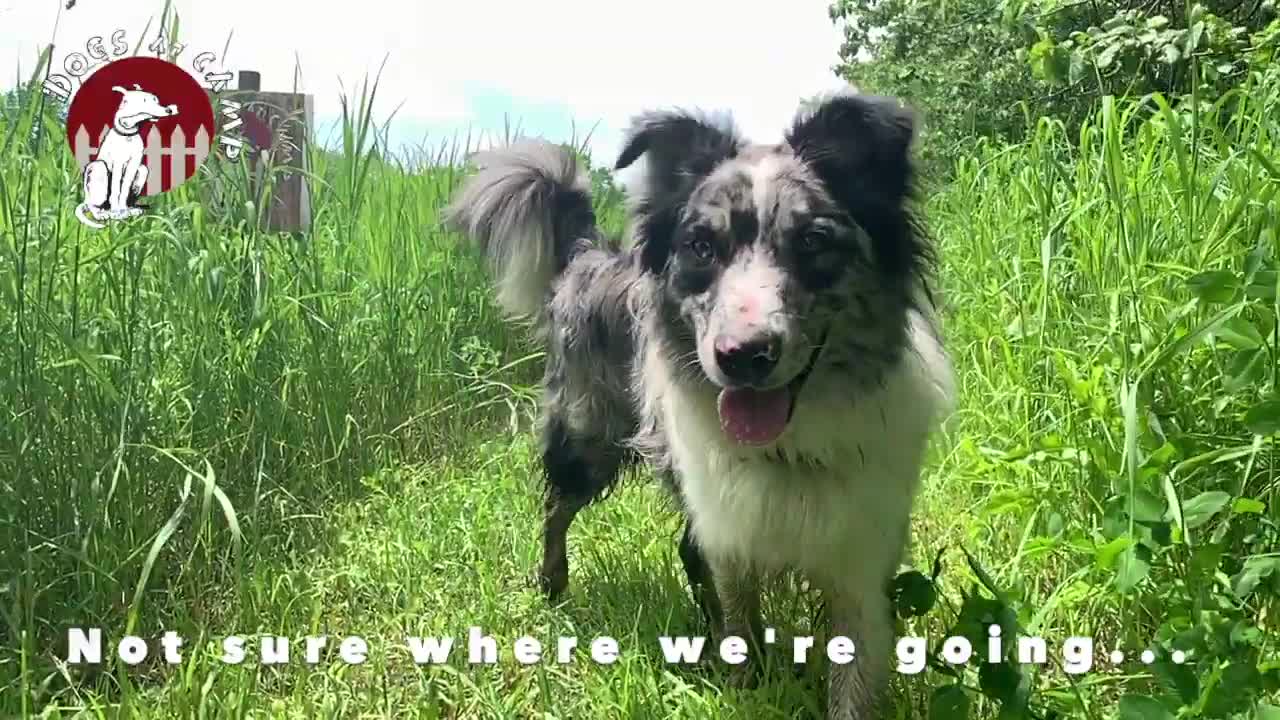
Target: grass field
213, 430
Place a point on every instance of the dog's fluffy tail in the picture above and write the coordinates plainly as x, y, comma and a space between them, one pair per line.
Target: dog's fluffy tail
528, 209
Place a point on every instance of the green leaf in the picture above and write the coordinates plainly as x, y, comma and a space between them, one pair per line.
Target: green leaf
1161, 533
914, 594
1076, 68
1105, 555
978, 614
1263, 286
1206, 558
1039, 57
1107, 56
999, 681
1240, 334
1179, 678
1213, 286
1146, 506
1133, 565
1141, 707
1234, 690
1248, 506
1193, 39
1248, 367
1172, 349
1267, 711
1200, 509
1255, 569
1256, 260
1058, 65
1263, 418
1175, 505
949, 702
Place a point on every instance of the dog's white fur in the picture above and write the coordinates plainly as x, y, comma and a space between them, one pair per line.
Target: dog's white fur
842, 522
777, 515
117, 172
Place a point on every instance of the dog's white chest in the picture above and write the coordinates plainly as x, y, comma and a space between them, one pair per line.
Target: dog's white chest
838, 506
850, 507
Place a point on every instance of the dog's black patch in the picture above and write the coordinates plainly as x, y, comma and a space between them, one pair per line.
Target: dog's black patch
860, 147
568, 472
820, 266
744, 224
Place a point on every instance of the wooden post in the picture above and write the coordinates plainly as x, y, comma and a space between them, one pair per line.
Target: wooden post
275, 130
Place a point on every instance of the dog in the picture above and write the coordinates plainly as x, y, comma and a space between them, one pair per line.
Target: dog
114, 181
768, 342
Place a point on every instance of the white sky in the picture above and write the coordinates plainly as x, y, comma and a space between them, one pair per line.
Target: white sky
465, 63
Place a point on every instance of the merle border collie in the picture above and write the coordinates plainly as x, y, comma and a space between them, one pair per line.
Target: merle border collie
767, 343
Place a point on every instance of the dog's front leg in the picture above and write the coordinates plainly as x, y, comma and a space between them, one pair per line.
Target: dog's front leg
701, 584
737, 586
865, 616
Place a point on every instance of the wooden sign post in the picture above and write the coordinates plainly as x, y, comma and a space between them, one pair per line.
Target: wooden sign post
275, 129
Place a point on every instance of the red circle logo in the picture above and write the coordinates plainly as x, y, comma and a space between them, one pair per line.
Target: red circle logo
144, 124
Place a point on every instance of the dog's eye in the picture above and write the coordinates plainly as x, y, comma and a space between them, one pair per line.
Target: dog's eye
700, 245
814, 239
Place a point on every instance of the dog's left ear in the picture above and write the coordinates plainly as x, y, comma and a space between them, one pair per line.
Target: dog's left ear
860, 147
857, 140
119, 89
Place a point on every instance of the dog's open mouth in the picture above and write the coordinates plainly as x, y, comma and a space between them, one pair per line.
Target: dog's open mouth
758, 417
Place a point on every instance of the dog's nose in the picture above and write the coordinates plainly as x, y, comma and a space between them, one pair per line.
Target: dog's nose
747, 361
171, 109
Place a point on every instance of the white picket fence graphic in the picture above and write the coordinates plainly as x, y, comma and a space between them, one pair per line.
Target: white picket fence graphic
155, 153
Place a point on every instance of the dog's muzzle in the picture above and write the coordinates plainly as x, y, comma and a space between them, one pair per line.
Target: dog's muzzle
758, 417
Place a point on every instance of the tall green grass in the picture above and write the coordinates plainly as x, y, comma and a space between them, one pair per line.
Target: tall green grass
192, 384
1113, 314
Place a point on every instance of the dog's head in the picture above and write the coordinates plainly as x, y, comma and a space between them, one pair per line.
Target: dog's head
138, 106
764, 253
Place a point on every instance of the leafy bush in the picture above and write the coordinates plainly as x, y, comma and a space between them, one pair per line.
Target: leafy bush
1114, 312
988, 69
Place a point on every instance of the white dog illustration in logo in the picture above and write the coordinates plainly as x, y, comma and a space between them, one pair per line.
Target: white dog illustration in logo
115, 179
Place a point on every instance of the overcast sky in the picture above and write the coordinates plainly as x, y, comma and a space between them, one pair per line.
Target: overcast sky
458, 64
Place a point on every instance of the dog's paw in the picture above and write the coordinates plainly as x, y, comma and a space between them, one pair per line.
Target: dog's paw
553, 582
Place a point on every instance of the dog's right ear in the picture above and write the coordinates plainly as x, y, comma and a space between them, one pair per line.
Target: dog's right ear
680, 148
119, 89
679, 141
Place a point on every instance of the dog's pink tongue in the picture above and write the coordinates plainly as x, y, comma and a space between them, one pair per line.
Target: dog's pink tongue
754, 417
